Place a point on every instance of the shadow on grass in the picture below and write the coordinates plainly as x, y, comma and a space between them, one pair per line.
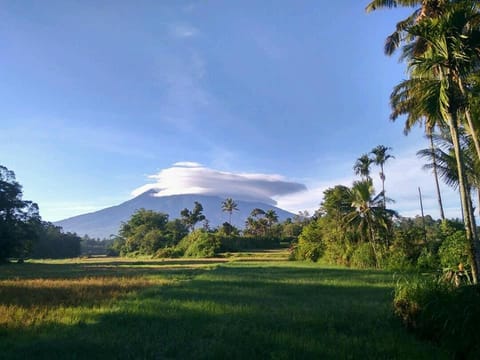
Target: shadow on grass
236, 313
115, 269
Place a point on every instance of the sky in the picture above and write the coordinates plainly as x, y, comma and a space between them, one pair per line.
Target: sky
100, 100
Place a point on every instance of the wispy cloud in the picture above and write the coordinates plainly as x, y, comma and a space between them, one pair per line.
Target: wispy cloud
192, 178
182, 30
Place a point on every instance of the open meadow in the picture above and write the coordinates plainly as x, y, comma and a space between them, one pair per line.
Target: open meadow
255, 305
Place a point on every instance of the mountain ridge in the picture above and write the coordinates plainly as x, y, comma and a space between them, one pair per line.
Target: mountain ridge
106, 222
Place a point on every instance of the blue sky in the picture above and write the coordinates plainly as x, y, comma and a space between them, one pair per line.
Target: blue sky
96, 96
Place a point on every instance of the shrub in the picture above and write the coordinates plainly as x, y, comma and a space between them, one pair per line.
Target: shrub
363, 256
238, 243
397, 260
428, 260
168, 252
441, 313
310, 244
199, 244
307, 251
453, 250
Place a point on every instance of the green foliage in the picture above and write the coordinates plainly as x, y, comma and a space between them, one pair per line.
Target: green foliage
438, 312
310, 245
53, 243
428, 260
363, 256
169, 252
239, 243
146, 232
191, 218
397, 260
228, 230
454, 250
18, 218
199, 244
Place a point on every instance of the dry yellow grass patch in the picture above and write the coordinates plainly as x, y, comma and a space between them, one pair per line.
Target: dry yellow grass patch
27, 302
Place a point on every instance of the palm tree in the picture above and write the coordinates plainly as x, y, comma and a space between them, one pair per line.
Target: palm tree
362, 166
368, 215
435, 174
380, 158
229, 206
271, 217
441, 47
255, 212
441, 156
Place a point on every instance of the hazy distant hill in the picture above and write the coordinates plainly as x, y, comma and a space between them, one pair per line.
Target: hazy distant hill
103, 223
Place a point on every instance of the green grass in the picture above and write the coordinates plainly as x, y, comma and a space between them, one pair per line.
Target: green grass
251, 306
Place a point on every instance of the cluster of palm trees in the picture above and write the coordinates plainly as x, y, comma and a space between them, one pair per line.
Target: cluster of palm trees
378, 156
259, 223
368, 214
440, 43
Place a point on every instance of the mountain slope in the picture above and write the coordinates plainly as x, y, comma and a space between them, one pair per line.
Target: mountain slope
105, 222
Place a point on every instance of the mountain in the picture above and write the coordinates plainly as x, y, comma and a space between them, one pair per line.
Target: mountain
105, 222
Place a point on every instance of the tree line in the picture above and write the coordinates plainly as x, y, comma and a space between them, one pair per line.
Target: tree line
439, 42
22, 231
153, 234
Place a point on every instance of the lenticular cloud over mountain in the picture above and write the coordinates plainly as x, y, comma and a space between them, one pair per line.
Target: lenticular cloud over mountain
193, 178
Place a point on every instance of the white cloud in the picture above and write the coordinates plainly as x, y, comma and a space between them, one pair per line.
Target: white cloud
180, 30
193, 178
404, 175
187, 164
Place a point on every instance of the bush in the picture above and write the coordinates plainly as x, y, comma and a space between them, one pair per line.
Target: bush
397, 260
454, 250
363, 256
307, 251
310, 243
441, 313
238, 243
199, 244
427, 260
168, 252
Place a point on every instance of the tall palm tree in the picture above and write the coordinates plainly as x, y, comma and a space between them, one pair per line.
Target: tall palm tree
362, 166
381, 156
441, 155
368, 215
229, 206
441, 48
271, 217
435, 174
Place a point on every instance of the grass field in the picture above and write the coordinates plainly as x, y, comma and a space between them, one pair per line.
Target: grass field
249, 306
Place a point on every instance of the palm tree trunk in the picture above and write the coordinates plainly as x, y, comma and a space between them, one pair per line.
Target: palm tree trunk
382, 175
372, 242
465, 201
478, 200
471, 127
435, 174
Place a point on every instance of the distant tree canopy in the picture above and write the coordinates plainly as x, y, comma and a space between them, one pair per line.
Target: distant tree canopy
22, 232
191, 217
148, 231
52, 242
17, 217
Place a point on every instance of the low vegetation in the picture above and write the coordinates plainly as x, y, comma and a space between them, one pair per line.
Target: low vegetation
248, 305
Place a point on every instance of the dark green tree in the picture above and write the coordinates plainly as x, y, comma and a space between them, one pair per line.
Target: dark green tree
191, 218
17, 217
145, 232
